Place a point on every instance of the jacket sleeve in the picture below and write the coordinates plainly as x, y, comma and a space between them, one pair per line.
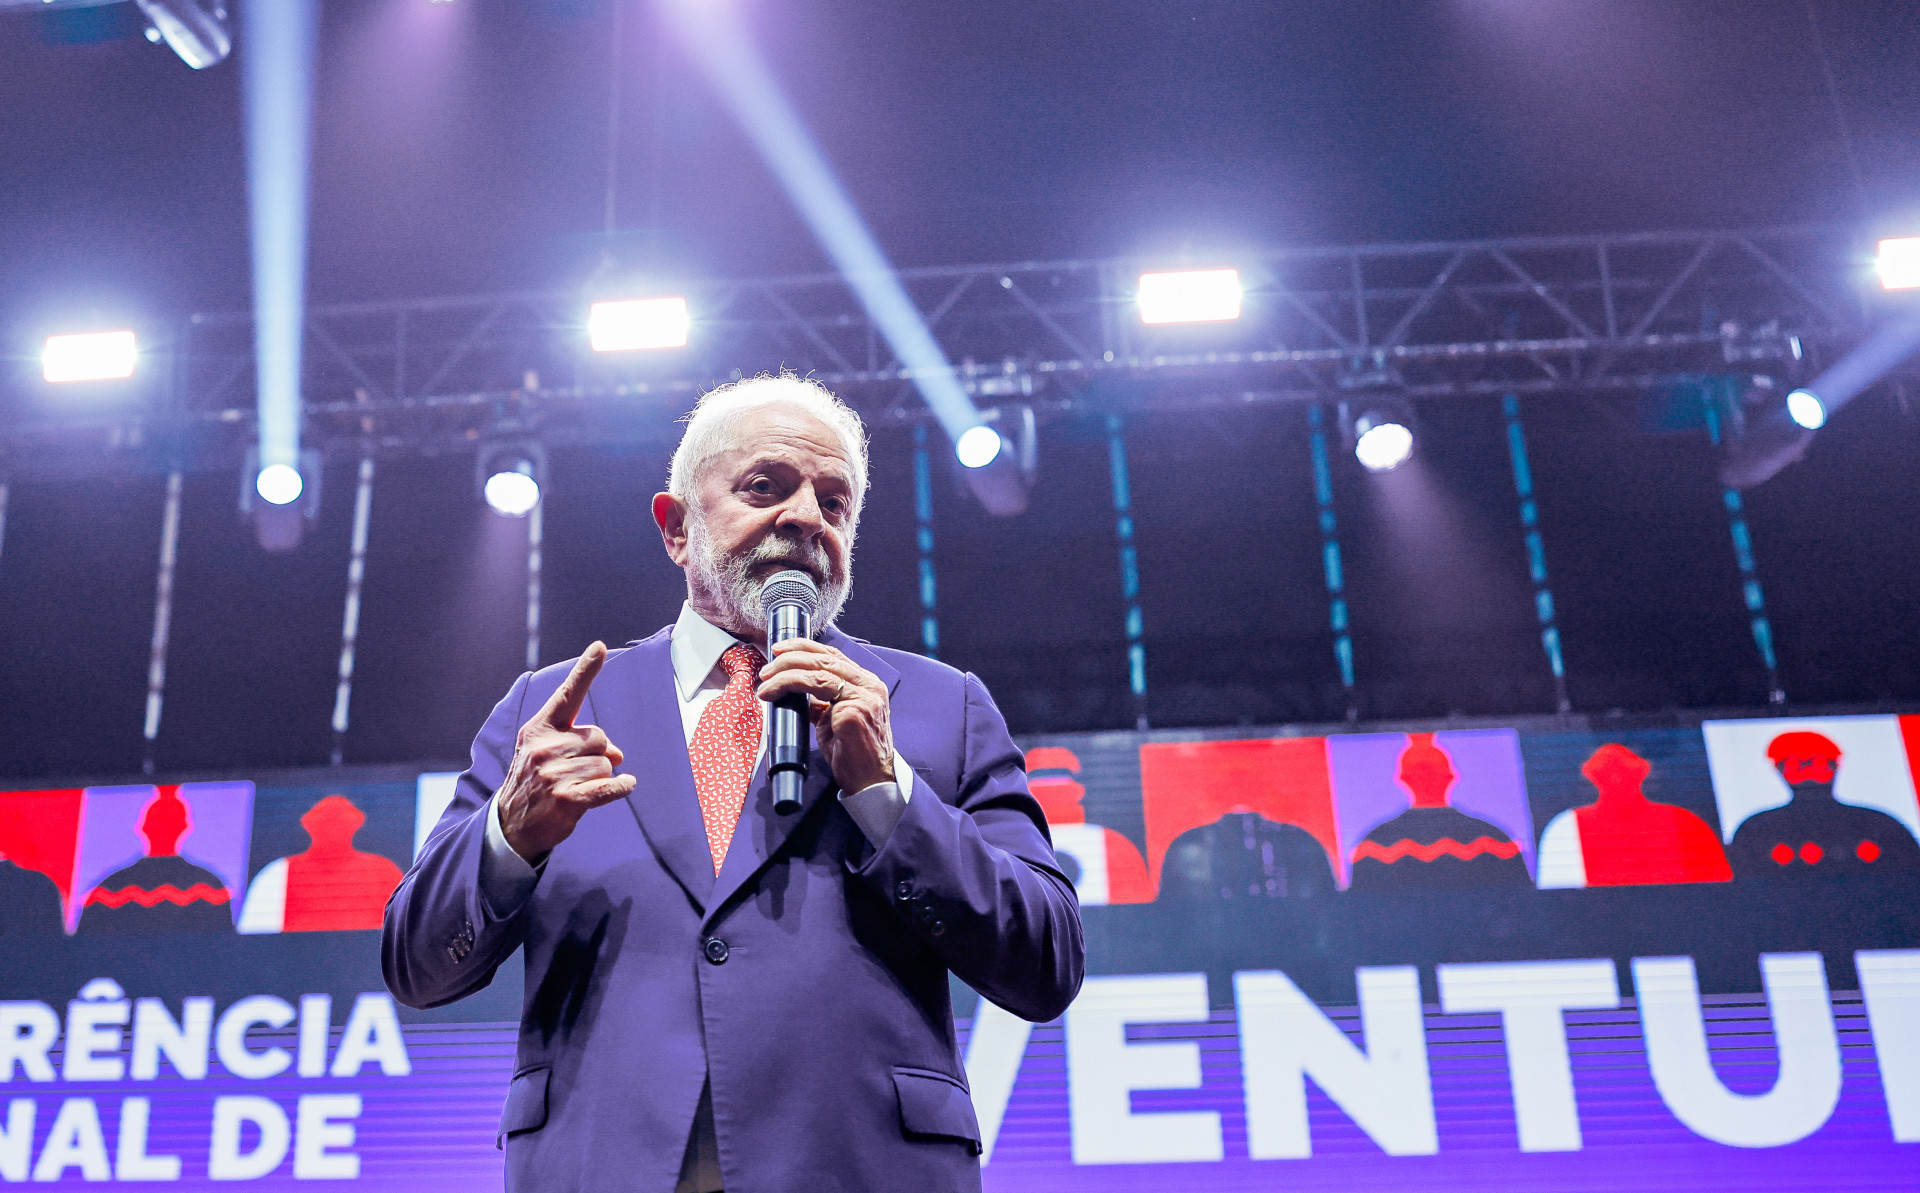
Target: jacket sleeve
442, 939
977, 880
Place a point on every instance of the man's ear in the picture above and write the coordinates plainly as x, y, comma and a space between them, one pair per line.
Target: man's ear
670, 514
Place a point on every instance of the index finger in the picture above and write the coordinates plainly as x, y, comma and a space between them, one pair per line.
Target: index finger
564, 705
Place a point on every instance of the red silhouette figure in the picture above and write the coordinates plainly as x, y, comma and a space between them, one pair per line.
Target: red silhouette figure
1815, 835
1433, 844
162, 891
30, 900
333, 886
1059, 794
1105, 866
1426, 772
39, 834
1269, 802
1628, 840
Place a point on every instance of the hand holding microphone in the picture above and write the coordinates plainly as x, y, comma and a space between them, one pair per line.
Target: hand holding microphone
846, 704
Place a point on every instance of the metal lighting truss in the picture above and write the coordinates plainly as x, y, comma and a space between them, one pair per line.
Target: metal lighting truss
1430, 321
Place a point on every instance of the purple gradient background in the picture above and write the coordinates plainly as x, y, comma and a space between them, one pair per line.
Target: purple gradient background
433, 1130
430, 1130
1631, 1140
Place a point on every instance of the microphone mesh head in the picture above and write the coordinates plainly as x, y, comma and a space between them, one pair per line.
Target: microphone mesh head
790, 587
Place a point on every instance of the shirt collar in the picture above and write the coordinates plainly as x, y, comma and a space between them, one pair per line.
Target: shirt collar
695, 650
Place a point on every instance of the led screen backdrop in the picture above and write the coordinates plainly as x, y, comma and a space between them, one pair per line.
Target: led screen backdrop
1535, 958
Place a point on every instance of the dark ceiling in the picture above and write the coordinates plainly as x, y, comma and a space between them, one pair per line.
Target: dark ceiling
463, 148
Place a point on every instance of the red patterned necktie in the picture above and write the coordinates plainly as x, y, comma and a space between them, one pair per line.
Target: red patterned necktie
724, 747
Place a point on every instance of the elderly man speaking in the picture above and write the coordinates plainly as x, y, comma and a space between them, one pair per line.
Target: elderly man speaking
720, 994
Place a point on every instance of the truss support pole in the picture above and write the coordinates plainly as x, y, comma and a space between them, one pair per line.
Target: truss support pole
1129, 569
162, 619
1536, 552
923, 539
1755, 596
350, 619
534, 536
1330, 556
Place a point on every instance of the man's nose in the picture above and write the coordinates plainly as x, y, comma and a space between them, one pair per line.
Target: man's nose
802, 512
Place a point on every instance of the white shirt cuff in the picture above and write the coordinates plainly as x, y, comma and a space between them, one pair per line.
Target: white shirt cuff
506, 879
877, 809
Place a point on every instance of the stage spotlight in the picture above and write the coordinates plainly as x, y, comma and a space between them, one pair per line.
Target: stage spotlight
1805, 408
638, 323
1899, 263
280, 499
1381, 443
1762, 434
95, 356
513, 493
510, 476
978, 447
276, 85
195, 29
1193, 296
1000, 458
279, 484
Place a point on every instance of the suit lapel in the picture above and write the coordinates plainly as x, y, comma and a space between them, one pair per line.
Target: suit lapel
860, 653
635, 702
762, 831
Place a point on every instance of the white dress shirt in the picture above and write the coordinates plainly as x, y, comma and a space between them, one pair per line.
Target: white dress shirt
507, 879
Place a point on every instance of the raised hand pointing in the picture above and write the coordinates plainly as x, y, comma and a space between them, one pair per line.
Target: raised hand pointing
560, 770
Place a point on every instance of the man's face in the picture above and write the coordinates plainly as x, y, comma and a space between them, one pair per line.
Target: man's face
780, 496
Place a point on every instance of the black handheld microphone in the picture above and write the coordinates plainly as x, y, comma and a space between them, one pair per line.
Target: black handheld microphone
789, 598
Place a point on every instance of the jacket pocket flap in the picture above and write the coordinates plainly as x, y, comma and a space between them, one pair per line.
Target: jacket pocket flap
935, 1104
526, 1107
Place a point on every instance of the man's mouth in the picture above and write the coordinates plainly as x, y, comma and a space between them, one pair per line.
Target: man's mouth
763, 568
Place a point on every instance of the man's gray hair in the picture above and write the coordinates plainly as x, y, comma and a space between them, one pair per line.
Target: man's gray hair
710, 424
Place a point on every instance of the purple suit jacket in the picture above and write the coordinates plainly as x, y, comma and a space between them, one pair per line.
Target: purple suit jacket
808, 980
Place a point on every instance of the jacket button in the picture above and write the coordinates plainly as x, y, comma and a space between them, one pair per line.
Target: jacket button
937, 928
903, 889
715, 950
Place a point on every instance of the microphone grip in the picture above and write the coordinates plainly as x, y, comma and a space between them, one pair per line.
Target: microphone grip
786, 789
787, 738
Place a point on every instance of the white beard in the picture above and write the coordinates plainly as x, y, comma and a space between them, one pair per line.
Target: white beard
732, 584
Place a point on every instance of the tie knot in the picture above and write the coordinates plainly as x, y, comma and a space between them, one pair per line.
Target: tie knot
740, 659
